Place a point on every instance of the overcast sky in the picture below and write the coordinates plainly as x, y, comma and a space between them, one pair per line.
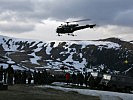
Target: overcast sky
38, 19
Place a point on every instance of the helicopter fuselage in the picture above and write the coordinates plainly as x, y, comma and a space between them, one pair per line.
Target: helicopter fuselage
71, 28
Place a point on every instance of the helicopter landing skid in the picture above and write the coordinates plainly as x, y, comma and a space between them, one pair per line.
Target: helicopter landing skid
59, 35
71, 34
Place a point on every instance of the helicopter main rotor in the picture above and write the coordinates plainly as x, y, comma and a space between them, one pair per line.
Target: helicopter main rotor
77, 21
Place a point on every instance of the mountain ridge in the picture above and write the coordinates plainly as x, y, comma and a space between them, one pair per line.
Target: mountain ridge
76, 55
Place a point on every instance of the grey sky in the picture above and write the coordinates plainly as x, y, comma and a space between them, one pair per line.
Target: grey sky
21, 16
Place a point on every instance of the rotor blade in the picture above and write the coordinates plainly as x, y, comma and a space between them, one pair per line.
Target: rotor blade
81, 20
77, 20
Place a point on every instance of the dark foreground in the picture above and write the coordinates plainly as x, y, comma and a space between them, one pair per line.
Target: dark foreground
23, 92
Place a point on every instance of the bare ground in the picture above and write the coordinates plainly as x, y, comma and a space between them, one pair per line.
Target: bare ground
24, 92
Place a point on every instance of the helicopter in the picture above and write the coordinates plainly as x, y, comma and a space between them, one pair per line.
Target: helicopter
70, 28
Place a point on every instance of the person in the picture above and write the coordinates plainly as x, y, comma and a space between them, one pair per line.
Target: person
86, 78
44, 77
74, 78
5, 77
35, 77
29, 76
19, 75
10, 73
39, 77
91, 81
24, 76
81, 79
78, 78
16, 77
1, 73
67, 77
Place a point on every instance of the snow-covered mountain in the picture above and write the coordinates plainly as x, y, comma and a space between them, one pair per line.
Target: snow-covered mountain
112, 53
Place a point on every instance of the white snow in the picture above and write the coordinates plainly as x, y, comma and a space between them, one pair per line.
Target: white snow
10, 62
104, 95
85, 43
48, 49
37, 49
34, 60
96, 43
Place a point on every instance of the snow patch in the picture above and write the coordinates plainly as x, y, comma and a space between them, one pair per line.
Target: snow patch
34, 60
104, 95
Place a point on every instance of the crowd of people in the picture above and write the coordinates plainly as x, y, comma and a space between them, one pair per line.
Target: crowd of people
10, 76
78, 79
7, 74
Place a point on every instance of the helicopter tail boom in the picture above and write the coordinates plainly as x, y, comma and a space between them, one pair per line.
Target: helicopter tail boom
83, 27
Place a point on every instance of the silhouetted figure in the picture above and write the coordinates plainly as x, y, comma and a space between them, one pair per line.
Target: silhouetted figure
1, 73
91, 81
5, 77
86, 78
10, 73
24, 76
16, 77
67, 78
44, 76
29, 76
78, 78
19, 77
39, 77
35, 77
81, 79
74, 78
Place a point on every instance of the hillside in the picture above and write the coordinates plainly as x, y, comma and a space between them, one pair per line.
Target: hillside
108, 53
